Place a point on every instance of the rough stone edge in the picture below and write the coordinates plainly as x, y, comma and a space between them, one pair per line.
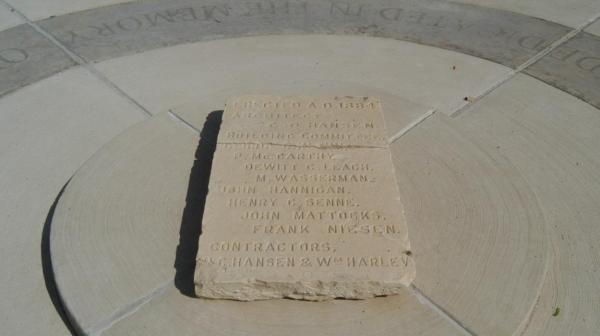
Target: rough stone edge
312, 290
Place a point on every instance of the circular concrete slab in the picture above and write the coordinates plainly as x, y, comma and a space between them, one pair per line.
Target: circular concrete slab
150, 260
498, 170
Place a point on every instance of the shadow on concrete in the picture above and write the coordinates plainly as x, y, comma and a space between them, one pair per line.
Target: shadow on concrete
191, 222
47, 266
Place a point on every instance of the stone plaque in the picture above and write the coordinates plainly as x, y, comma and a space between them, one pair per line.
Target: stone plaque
303, 203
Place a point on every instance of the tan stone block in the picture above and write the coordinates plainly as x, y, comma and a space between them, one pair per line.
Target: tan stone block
303, 203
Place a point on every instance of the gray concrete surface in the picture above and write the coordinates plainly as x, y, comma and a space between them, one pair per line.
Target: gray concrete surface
47, 131
8, 18
551, 139
484, 152
573, 67
594, 28
43, 9
504, 37
127, 28
26, 57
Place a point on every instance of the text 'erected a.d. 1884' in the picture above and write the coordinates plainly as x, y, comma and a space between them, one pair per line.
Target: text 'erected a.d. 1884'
303, 203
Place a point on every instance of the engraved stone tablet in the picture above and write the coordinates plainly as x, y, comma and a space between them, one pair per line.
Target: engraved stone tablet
303, 203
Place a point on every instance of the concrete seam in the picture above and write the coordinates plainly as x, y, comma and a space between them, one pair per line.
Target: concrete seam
410, 126
535, 58
78, 59
443, 313
128, 310
5, 4
180, 120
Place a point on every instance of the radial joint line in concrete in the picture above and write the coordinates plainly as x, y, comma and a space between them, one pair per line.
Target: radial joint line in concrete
77, 59
410, 126
526, 64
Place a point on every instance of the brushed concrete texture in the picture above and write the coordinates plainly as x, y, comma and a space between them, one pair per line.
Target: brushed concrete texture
501, 36
573, 67
116, 229
552, 139
47, 131
114, 239
172, 313
27, 57
168, 77
594, 28
477, 233
8, 19
570, 13
42, 9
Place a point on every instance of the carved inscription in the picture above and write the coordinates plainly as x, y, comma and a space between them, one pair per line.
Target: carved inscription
302, 192
464, 28
503, 37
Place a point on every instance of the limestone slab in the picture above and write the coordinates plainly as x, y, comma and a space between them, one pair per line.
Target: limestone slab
504, 37
8, 19
477, 233
573, 67
302, 203
26, 57
427, 76
47, 131
552, 139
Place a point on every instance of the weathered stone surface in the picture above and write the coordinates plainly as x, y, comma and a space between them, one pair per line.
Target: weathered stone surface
303, 203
